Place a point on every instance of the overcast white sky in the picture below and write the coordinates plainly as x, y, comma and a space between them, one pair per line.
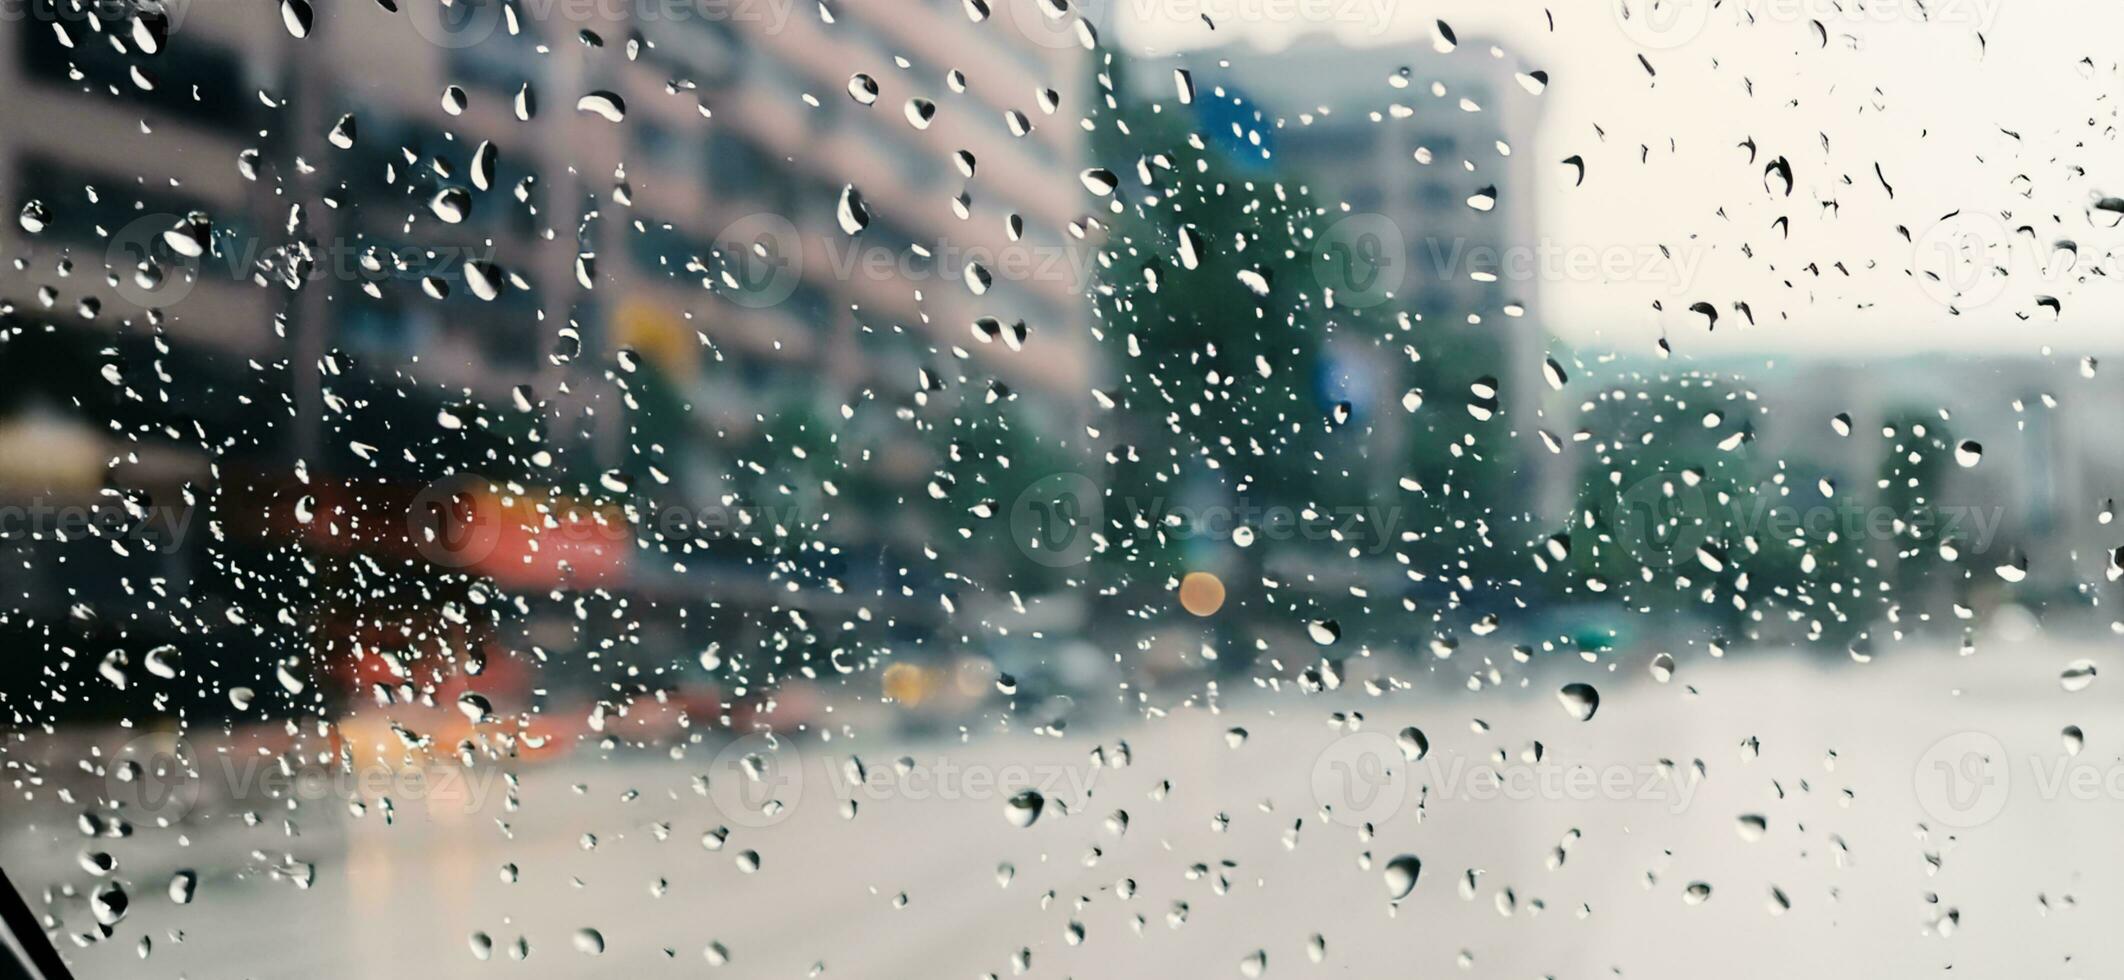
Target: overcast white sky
1919, 97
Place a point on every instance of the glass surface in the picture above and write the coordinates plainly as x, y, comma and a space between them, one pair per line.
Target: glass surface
1127, 488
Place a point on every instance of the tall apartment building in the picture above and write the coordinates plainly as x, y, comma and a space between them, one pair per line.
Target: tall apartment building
489, 198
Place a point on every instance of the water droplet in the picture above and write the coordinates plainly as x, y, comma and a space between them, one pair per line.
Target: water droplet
1401, 874
343, 132
109, 903
606, 105
1024, 808
863, 88
920, 112
854, 215
1581, 700
1414, 746
474, 706
297, 17
451, 204
1751, 826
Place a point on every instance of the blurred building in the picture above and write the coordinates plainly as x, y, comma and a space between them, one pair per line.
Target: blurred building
466, 237
2040, 484
1428, 151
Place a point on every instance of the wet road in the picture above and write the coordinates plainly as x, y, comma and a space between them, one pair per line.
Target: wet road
1843, 762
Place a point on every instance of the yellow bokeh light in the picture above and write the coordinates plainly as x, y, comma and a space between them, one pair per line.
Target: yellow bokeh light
1201, 593
908, 684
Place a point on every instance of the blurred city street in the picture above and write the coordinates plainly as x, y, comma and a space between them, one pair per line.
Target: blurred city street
976, 489
1235, 856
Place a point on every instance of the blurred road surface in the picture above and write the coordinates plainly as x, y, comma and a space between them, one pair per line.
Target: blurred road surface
1851, 779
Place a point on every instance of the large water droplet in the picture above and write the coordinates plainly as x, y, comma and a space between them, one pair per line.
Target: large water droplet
296, 16
1401, 873
1414, 746
863, 88
1581, 700
589, 941
606, 105
853, 214
2077, 675
1021, 810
